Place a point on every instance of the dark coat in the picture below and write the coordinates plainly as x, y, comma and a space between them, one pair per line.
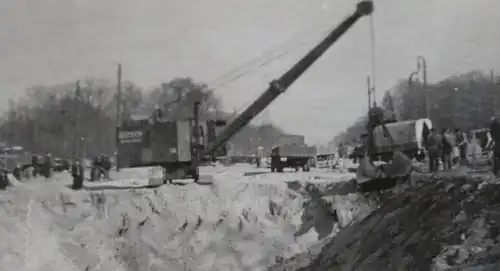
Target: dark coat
435, 143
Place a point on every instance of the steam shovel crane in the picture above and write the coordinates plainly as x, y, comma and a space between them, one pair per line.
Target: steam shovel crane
165, 142
281, 84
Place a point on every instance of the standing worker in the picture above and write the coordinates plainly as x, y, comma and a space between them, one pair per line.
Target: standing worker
95, 172
34, 164
47, 166
78, 174
17, 172
4, 179
495, 135
462, 145
106, 166
474, 149
342, 152
448, 144
435, 147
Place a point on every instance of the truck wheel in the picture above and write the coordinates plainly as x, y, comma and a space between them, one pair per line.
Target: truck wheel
273, 169
280, 169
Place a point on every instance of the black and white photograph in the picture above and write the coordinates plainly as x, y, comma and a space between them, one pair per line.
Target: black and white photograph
249, 135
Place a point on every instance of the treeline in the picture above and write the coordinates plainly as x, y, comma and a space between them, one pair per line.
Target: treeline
79, 119
465, 101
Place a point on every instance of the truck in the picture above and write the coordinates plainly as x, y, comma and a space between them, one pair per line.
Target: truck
15, 156
293, 155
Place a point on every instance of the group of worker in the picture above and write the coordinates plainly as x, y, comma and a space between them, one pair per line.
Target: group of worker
101, 166
448, 147
44, 166
40, 166
494, 136
454, 147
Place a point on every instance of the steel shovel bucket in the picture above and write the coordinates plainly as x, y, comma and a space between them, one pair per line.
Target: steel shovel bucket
370, 177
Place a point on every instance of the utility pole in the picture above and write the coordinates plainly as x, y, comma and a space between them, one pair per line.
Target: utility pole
11, 121
196, 146
118, 109
118, 95
77, 118
410, 89
421, 61
495, 95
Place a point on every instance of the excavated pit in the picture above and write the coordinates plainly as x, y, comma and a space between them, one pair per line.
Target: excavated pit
248, 224
438, 222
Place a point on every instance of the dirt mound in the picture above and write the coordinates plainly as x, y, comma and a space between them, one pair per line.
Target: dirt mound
433, 224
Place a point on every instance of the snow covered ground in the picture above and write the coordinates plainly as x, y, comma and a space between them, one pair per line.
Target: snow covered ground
245, 220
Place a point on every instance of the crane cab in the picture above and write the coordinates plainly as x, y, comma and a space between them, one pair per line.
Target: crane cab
170, 144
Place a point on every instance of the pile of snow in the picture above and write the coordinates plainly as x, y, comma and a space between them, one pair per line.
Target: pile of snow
236, 223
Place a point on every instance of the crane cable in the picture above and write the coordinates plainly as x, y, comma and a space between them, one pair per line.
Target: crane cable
261, 65
234, 72
264, 60
265, 63
373, 59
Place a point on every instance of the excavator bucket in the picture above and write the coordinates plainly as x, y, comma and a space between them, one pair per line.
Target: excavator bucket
370, 177
366, 170
400, 166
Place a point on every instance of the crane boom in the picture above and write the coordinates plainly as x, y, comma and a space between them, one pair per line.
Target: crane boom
280, 85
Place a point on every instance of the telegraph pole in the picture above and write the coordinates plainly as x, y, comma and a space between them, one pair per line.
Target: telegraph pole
118, 109
77, 118
495, 97
118, 95
406, 105
421, 60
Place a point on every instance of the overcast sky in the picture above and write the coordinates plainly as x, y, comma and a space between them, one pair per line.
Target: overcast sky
56, 41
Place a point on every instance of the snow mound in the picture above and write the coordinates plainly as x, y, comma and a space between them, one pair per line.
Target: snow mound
246, 224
